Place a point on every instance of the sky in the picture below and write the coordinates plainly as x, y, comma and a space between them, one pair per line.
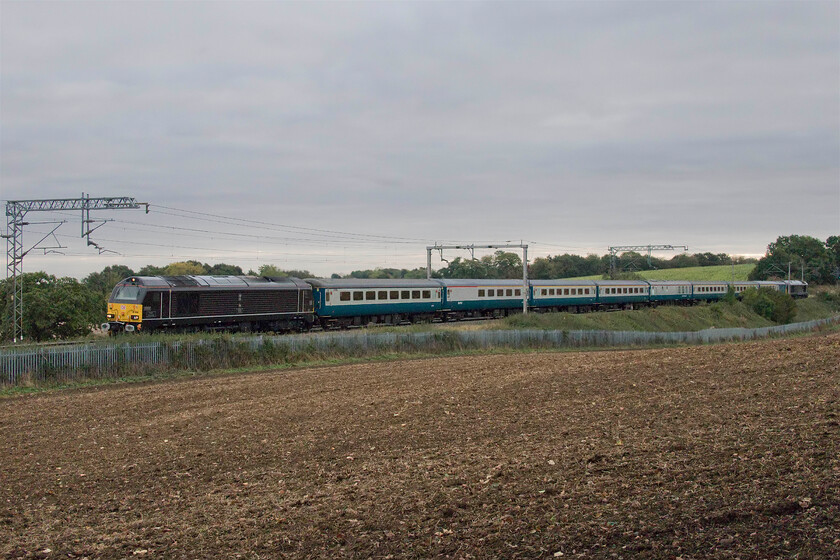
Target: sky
337, 136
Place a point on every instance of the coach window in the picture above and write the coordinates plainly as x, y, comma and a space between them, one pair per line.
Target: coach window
405, 294
491, 293
395, 294
345, 296
427, 294
509, 292
518, 292
415, 294
383, 295
357, 296
543, 290
327, 296
370, 295
480, 293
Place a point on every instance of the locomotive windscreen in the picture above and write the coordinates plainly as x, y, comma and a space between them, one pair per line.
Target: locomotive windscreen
126, 293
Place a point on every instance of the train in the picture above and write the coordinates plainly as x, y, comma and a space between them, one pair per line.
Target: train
274, 304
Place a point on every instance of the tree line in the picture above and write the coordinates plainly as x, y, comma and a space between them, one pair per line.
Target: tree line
58, 308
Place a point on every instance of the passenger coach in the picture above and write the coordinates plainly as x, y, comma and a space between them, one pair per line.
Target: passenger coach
348, 301
481, 298
555, 295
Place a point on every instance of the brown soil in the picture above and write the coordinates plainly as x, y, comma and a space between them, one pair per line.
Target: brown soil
728, 451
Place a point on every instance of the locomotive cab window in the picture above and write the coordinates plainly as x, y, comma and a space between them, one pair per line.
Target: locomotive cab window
127, 293
151, 305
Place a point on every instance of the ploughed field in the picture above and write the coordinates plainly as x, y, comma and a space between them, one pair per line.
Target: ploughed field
729, 451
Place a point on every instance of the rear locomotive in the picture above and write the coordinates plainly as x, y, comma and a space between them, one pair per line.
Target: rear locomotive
203, 303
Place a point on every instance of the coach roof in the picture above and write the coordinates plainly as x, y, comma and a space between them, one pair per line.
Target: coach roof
371, 283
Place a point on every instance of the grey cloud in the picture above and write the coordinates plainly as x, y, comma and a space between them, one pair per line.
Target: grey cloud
579, 124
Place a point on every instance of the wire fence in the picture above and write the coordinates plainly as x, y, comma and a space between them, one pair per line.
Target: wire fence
72, 363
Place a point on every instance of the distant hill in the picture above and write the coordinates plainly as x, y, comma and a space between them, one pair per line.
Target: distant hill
721, 273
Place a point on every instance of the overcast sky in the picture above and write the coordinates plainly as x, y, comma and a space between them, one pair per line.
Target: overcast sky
348, 135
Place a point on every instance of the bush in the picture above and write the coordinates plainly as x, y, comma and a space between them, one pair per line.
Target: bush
771, 304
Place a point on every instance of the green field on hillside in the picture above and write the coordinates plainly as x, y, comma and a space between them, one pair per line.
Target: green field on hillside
697, 273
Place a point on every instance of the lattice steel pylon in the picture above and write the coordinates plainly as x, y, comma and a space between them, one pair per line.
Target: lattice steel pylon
15, 212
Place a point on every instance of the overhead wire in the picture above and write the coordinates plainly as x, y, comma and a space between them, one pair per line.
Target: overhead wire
317, 231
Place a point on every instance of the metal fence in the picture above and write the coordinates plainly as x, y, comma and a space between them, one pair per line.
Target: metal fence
31, 365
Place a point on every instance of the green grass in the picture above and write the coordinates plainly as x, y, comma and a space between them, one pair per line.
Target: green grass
822, 302
666, 318
695, 273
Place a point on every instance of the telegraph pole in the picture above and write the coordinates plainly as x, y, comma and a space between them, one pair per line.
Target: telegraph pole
471, 249
15, 212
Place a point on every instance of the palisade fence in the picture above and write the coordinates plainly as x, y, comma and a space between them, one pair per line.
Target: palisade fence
62, 364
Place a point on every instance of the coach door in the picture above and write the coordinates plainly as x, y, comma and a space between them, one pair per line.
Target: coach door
165, 304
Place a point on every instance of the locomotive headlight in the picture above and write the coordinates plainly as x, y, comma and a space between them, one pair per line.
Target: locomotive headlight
135, 317
110, 315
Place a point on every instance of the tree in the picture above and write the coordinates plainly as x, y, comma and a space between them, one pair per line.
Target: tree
223, 269
771, 304
469, 268
102, 283
53, 307
272, 271
152, 270
506, 265
833, 246
185, 268
799, 253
